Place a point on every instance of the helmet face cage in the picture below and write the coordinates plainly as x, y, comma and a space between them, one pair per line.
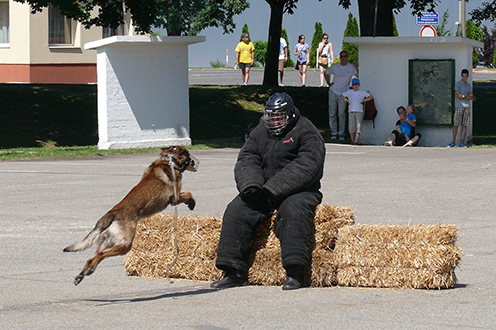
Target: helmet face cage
278, 113
275, 121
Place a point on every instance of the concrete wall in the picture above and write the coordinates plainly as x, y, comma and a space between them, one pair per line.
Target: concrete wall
143, 91
17, 51
383, 71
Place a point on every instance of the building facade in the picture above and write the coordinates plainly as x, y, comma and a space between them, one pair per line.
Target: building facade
46, 47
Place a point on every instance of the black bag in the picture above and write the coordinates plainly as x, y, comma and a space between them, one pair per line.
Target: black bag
370, 112
297, 66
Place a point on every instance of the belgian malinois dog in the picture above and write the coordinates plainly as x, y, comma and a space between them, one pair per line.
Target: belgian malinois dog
159, 187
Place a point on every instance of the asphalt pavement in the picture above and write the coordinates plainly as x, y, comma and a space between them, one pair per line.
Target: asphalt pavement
230, 76
47, 205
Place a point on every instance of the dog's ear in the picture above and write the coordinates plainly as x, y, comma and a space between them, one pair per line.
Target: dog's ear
182, 151
166, 151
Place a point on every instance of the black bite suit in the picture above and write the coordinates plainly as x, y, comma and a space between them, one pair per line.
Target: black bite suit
285, 172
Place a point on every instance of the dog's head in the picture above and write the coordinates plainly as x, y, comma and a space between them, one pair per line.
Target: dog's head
180, 157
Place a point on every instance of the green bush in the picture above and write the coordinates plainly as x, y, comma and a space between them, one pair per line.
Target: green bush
260, 51
217, 64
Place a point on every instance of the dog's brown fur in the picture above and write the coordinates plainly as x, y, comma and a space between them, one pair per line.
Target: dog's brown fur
115, 231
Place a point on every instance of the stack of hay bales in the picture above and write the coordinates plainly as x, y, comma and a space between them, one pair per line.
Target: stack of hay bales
385, 256
389, 256
153, 248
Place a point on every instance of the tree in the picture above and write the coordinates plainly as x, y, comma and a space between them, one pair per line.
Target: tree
245, 30
395, 29
178, 17
376, 17
486, 57
317, 38
351, 30
487, 11
474, 32
277, 9
441, 29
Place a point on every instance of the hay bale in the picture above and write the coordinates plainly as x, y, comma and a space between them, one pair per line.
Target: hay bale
391, 256
153, 248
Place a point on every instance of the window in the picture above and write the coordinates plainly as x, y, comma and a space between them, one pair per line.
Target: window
59, 27
109, 32
4, 22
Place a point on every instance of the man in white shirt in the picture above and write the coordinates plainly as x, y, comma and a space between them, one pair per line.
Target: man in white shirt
343, 72
283, 58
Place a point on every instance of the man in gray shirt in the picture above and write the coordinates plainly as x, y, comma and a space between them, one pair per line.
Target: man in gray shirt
343, 72
463, 96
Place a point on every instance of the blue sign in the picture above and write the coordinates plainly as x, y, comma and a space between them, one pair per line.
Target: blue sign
428, 18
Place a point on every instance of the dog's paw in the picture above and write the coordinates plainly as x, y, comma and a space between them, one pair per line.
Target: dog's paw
78, 279
191, 204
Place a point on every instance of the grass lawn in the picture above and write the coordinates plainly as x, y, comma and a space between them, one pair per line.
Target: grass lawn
41, 121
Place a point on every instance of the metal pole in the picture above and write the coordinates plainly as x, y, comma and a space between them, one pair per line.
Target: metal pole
461, 18
124, 13
375, 17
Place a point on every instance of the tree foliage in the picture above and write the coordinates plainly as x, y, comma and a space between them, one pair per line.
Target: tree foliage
314, 47
260, 51
474, 32
487, 11
442, 28
178, 17
351, 30
244, 30
381, 22
486, 56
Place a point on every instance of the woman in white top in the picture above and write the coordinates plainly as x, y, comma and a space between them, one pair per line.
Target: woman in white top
325, 48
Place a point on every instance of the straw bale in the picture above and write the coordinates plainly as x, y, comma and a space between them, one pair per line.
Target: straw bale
328, 220
153, 248
324, 270
406, 278
439, 258
411, 256
396, 234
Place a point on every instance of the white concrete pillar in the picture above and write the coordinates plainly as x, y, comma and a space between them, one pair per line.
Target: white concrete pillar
143, 91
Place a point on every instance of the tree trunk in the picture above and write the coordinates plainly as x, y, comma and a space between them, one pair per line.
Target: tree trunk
272, 57
369, 25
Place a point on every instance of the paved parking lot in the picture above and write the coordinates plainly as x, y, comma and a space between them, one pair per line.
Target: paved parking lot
46, 205
291, 77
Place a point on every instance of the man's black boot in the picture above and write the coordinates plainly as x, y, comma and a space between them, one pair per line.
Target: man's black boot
295, 277
233, 278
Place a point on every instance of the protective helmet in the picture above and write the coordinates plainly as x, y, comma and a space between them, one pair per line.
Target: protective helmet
279, 112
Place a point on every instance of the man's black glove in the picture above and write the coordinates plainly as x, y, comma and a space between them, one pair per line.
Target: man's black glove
252, 193
271, 200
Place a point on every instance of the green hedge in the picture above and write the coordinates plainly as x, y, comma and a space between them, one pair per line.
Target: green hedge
66, 115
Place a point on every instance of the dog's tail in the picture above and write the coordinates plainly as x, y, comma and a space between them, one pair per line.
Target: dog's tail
100, 226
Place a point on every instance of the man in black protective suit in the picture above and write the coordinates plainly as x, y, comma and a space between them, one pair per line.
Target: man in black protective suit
278, 168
